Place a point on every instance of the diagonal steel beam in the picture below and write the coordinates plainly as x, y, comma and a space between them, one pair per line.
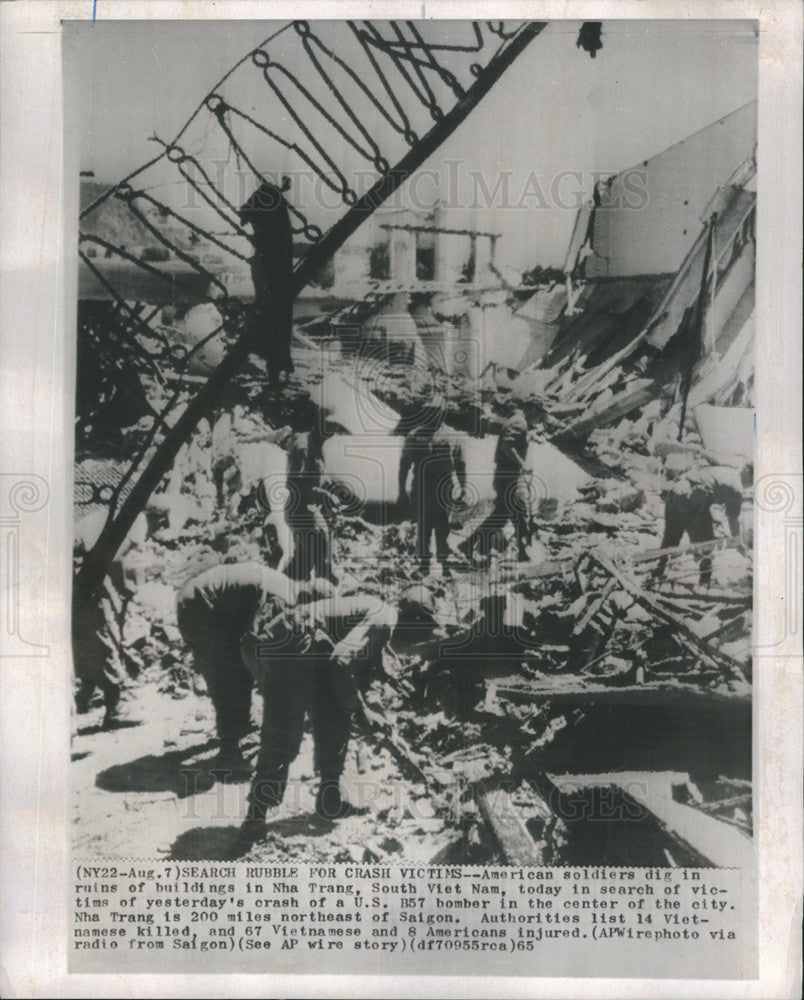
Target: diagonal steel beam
97, 561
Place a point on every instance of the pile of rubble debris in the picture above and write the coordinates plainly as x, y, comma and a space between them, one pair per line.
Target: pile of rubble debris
582, 661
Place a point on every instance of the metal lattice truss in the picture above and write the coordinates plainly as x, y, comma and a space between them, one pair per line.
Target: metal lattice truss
353, 109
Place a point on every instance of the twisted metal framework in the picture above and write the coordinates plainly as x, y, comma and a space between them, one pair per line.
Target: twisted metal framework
378, 92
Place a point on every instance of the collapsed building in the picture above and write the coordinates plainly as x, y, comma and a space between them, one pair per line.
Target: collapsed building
582, 653
668, 297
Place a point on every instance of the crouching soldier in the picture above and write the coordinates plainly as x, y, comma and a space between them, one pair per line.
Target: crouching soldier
690, 497
318, 666
214, 610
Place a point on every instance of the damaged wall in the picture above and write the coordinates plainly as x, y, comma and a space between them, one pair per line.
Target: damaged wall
648, 221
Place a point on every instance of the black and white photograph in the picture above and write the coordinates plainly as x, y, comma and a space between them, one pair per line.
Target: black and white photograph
414, 441
401, 499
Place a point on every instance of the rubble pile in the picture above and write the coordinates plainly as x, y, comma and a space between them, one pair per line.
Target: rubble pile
588, 614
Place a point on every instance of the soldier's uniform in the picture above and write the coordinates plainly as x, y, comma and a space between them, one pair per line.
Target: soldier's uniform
316, 671
97, 661
312, 550
214, 610
272, 275
687, 509
510, 498
438, 471
97, 617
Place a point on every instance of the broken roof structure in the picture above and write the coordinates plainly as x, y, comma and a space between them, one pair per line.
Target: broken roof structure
665, 251
644, 220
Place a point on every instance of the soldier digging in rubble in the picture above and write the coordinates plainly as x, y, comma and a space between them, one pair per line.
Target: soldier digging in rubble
690, 497
272, 274
510, 500
438, 481
214, 610
316, 661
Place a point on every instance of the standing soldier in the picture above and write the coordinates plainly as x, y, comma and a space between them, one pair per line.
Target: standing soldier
438, 481
510, 492
214, 610
98, 619
312, 553
272, 275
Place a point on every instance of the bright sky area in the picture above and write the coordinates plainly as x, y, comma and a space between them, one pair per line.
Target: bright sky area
556, 109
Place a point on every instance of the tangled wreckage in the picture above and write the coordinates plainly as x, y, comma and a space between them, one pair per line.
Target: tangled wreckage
590, 699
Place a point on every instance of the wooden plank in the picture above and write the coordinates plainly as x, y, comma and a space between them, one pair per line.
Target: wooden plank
517, 572
703, 597
697, 548
722, 627
701, 304
620, 407
578, 696
722, 844
734, 802
507, 826
594, 607
564, 804
713, 841
685, 633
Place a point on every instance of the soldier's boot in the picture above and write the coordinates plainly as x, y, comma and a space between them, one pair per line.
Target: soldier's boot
329, 803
